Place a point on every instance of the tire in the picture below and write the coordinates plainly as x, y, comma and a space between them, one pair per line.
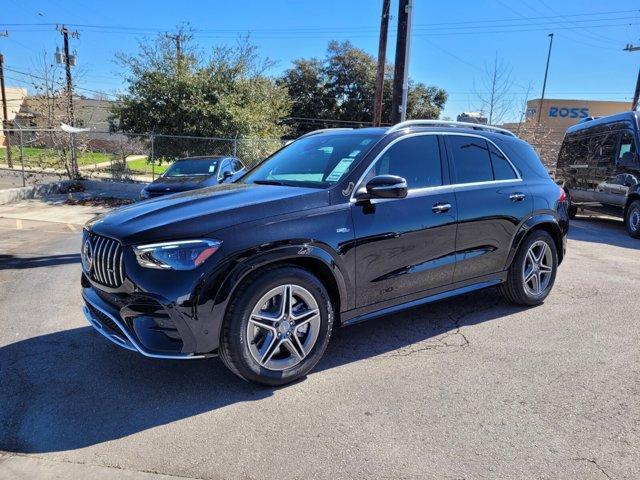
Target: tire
520, 292
572, 210
260, 334
633, 219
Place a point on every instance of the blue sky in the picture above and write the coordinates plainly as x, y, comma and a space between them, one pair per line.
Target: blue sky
452, 41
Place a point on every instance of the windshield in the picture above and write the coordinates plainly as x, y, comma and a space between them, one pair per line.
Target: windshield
316, 161
199, 166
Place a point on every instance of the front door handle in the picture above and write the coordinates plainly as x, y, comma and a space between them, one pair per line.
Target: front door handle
517, 197
441, 207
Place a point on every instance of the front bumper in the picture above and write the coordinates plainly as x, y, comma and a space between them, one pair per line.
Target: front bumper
131, 329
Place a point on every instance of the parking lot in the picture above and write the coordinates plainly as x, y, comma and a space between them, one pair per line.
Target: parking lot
465, 388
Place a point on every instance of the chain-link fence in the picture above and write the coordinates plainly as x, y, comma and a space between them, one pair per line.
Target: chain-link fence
45, 153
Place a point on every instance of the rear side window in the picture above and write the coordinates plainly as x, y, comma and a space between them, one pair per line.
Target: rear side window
471, 159
502, 169
416, 159
574, 151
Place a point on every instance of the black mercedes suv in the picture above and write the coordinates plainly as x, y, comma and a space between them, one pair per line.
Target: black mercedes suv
338, 227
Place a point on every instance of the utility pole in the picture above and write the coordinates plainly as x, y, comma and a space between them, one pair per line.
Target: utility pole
401, 70
5, 116
636, 95
382, 51
71, 117
177, 38
546, 72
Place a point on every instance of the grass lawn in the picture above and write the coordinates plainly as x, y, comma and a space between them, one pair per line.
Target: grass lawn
141, 165
47, 157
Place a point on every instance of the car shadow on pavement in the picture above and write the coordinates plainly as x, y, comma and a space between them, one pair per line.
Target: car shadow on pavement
604, 230
72, 389
12, 262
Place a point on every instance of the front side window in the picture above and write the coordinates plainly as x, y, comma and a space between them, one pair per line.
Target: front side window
416, 159
186, 167
471, 159
226, 168
317, 161
627, 144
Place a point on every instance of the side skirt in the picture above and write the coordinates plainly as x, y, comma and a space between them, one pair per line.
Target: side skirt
356, 316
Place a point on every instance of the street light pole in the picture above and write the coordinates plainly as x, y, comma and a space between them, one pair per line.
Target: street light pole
546, 72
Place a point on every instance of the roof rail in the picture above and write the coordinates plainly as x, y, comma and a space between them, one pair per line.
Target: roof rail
448, 123
308, 134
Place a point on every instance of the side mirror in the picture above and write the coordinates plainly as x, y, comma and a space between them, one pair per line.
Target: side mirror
384, 186
629, 160
227, 174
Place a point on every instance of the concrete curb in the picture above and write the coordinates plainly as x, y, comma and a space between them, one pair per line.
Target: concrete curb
116, 189
11, 195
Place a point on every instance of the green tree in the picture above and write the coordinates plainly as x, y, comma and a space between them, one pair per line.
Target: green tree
339, 91
172, 90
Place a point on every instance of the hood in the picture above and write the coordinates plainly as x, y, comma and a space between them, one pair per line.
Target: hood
180, 183
200, 212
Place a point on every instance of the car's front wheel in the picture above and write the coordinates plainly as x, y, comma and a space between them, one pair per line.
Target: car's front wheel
277, 326
633, 219
533, 271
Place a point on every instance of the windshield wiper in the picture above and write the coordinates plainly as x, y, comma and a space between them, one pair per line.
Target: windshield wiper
271, 182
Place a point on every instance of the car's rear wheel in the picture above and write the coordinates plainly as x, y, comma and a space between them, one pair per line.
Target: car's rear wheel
533, 271
572, 210
633, 219
277, 326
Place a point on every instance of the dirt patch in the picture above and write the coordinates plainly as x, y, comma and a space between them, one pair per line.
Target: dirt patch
72, 188
110, 202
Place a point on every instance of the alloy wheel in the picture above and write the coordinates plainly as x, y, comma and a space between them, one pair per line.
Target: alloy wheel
537, 269
634, 219
283, 327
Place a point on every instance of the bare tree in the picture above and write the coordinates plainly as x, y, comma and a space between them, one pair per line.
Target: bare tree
494, 92
46, 110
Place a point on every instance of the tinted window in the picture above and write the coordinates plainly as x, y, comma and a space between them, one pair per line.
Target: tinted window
416, 159
237, 165
574, 151
502, 169
626, 144
200, 166
226, 167
471, 159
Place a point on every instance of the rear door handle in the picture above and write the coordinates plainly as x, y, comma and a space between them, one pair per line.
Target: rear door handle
517, 197
441, 207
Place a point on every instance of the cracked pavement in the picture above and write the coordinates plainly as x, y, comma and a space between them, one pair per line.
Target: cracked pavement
469, 387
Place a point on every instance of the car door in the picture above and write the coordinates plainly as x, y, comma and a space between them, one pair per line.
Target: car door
492, 200
620, 179
404, 246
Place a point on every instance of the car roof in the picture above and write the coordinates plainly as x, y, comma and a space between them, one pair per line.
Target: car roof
379, 131
633, 117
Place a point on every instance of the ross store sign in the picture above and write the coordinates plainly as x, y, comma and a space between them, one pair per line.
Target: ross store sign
566, 112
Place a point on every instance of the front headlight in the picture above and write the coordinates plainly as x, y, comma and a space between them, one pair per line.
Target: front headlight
178, 255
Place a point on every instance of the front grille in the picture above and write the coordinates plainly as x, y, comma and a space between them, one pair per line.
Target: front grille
106, 266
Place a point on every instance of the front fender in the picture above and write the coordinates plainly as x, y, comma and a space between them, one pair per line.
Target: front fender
221, 286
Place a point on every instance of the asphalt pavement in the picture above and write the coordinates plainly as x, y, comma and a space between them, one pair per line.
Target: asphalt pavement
466, 388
